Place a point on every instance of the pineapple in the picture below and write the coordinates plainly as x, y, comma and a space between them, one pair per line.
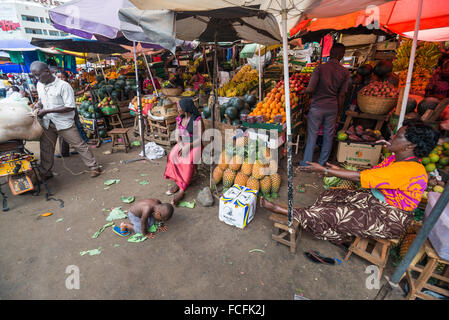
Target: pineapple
406, 243
253, 183
228, 178
275, 183
273, 166
346, 184
258, 170
236, 163
241, 142
247, 168
265, 185
224, 160
217, 174
241, 179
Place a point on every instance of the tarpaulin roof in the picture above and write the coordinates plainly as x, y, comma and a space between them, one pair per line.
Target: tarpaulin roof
397, 16
80, 45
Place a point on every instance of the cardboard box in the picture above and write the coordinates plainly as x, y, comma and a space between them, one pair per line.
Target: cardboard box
238, 206
358, 153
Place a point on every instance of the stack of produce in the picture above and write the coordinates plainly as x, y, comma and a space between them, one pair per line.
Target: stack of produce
309, 67
242, 82
118, 89
438, 158
426, 59
272, 108
108, 106
298, 82
248, 164
335, 182
82, 98
359, 134
380, 89
236, 110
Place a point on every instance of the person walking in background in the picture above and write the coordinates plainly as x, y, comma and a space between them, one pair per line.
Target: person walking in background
328, 86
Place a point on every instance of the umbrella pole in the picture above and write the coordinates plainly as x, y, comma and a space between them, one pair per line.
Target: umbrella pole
151, 75
410, 66
215, 86
260, 77
288, 112
101, 66
139, 102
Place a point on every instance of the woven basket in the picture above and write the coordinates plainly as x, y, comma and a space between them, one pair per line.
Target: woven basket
375, 105
171, 92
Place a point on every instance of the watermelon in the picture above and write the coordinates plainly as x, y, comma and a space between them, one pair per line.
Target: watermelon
411, 105
223, 108
102, 133
245, 111
383, 68
98, 115
427, 103
109, 88
127, 88
116, 95
250, 100
236, 102
99, 78
121, 77
232, 112
111, 82
206, 112
119, 84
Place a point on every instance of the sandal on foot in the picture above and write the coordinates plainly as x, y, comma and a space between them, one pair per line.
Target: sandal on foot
117, 230
316, 257
172, 190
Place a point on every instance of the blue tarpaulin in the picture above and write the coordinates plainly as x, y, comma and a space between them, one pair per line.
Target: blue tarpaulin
10, 68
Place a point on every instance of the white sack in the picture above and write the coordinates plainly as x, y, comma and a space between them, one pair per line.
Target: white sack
17, 121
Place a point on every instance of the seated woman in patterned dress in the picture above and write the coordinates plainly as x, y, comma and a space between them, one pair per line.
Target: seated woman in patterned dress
187, 152
391, 192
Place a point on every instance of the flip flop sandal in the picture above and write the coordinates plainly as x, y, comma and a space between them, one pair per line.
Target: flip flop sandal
116, 229
316, 257
170, 192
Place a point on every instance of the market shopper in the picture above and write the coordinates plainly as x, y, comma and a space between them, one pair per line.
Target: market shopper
438, 85
56, 111
328, 86
187, 152
391, 192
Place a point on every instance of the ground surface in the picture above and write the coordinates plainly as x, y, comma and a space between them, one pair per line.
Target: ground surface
199, 257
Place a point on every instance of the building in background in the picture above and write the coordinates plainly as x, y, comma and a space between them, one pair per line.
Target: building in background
26, 19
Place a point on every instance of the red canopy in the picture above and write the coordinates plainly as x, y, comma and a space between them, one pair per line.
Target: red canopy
396, 16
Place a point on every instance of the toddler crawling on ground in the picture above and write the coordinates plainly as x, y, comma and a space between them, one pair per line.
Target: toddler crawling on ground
143, 214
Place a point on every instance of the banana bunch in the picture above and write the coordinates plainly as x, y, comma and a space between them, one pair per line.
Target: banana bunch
427, 55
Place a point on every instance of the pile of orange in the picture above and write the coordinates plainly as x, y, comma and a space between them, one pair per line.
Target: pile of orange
274, 105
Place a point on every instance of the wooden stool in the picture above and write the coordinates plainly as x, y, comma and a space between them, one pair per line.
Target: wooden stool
427, 272
115, 121
116, 134
378, 255
288, 236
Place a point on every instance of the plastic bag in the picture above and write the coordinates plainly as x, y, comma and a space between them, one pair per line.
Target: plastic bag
153, 151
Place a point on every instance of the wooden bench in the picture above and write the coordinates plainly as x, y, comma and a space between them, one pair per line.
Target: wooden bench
426, 272
122, 133
284, 234
378, 255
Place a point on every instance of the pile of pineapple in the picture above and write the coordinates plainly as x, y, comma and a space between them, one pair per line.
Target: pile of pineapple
248, 164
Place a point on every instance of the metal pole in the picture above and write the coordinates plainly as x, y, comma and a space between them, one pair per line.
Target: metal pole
260, 76
139, 102
422, 235
410, 66
287, 111
101, 66
151, 75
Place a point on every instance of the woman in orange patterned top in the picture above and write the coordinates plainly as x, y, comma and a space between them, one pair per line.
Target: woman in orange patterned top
392, 190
